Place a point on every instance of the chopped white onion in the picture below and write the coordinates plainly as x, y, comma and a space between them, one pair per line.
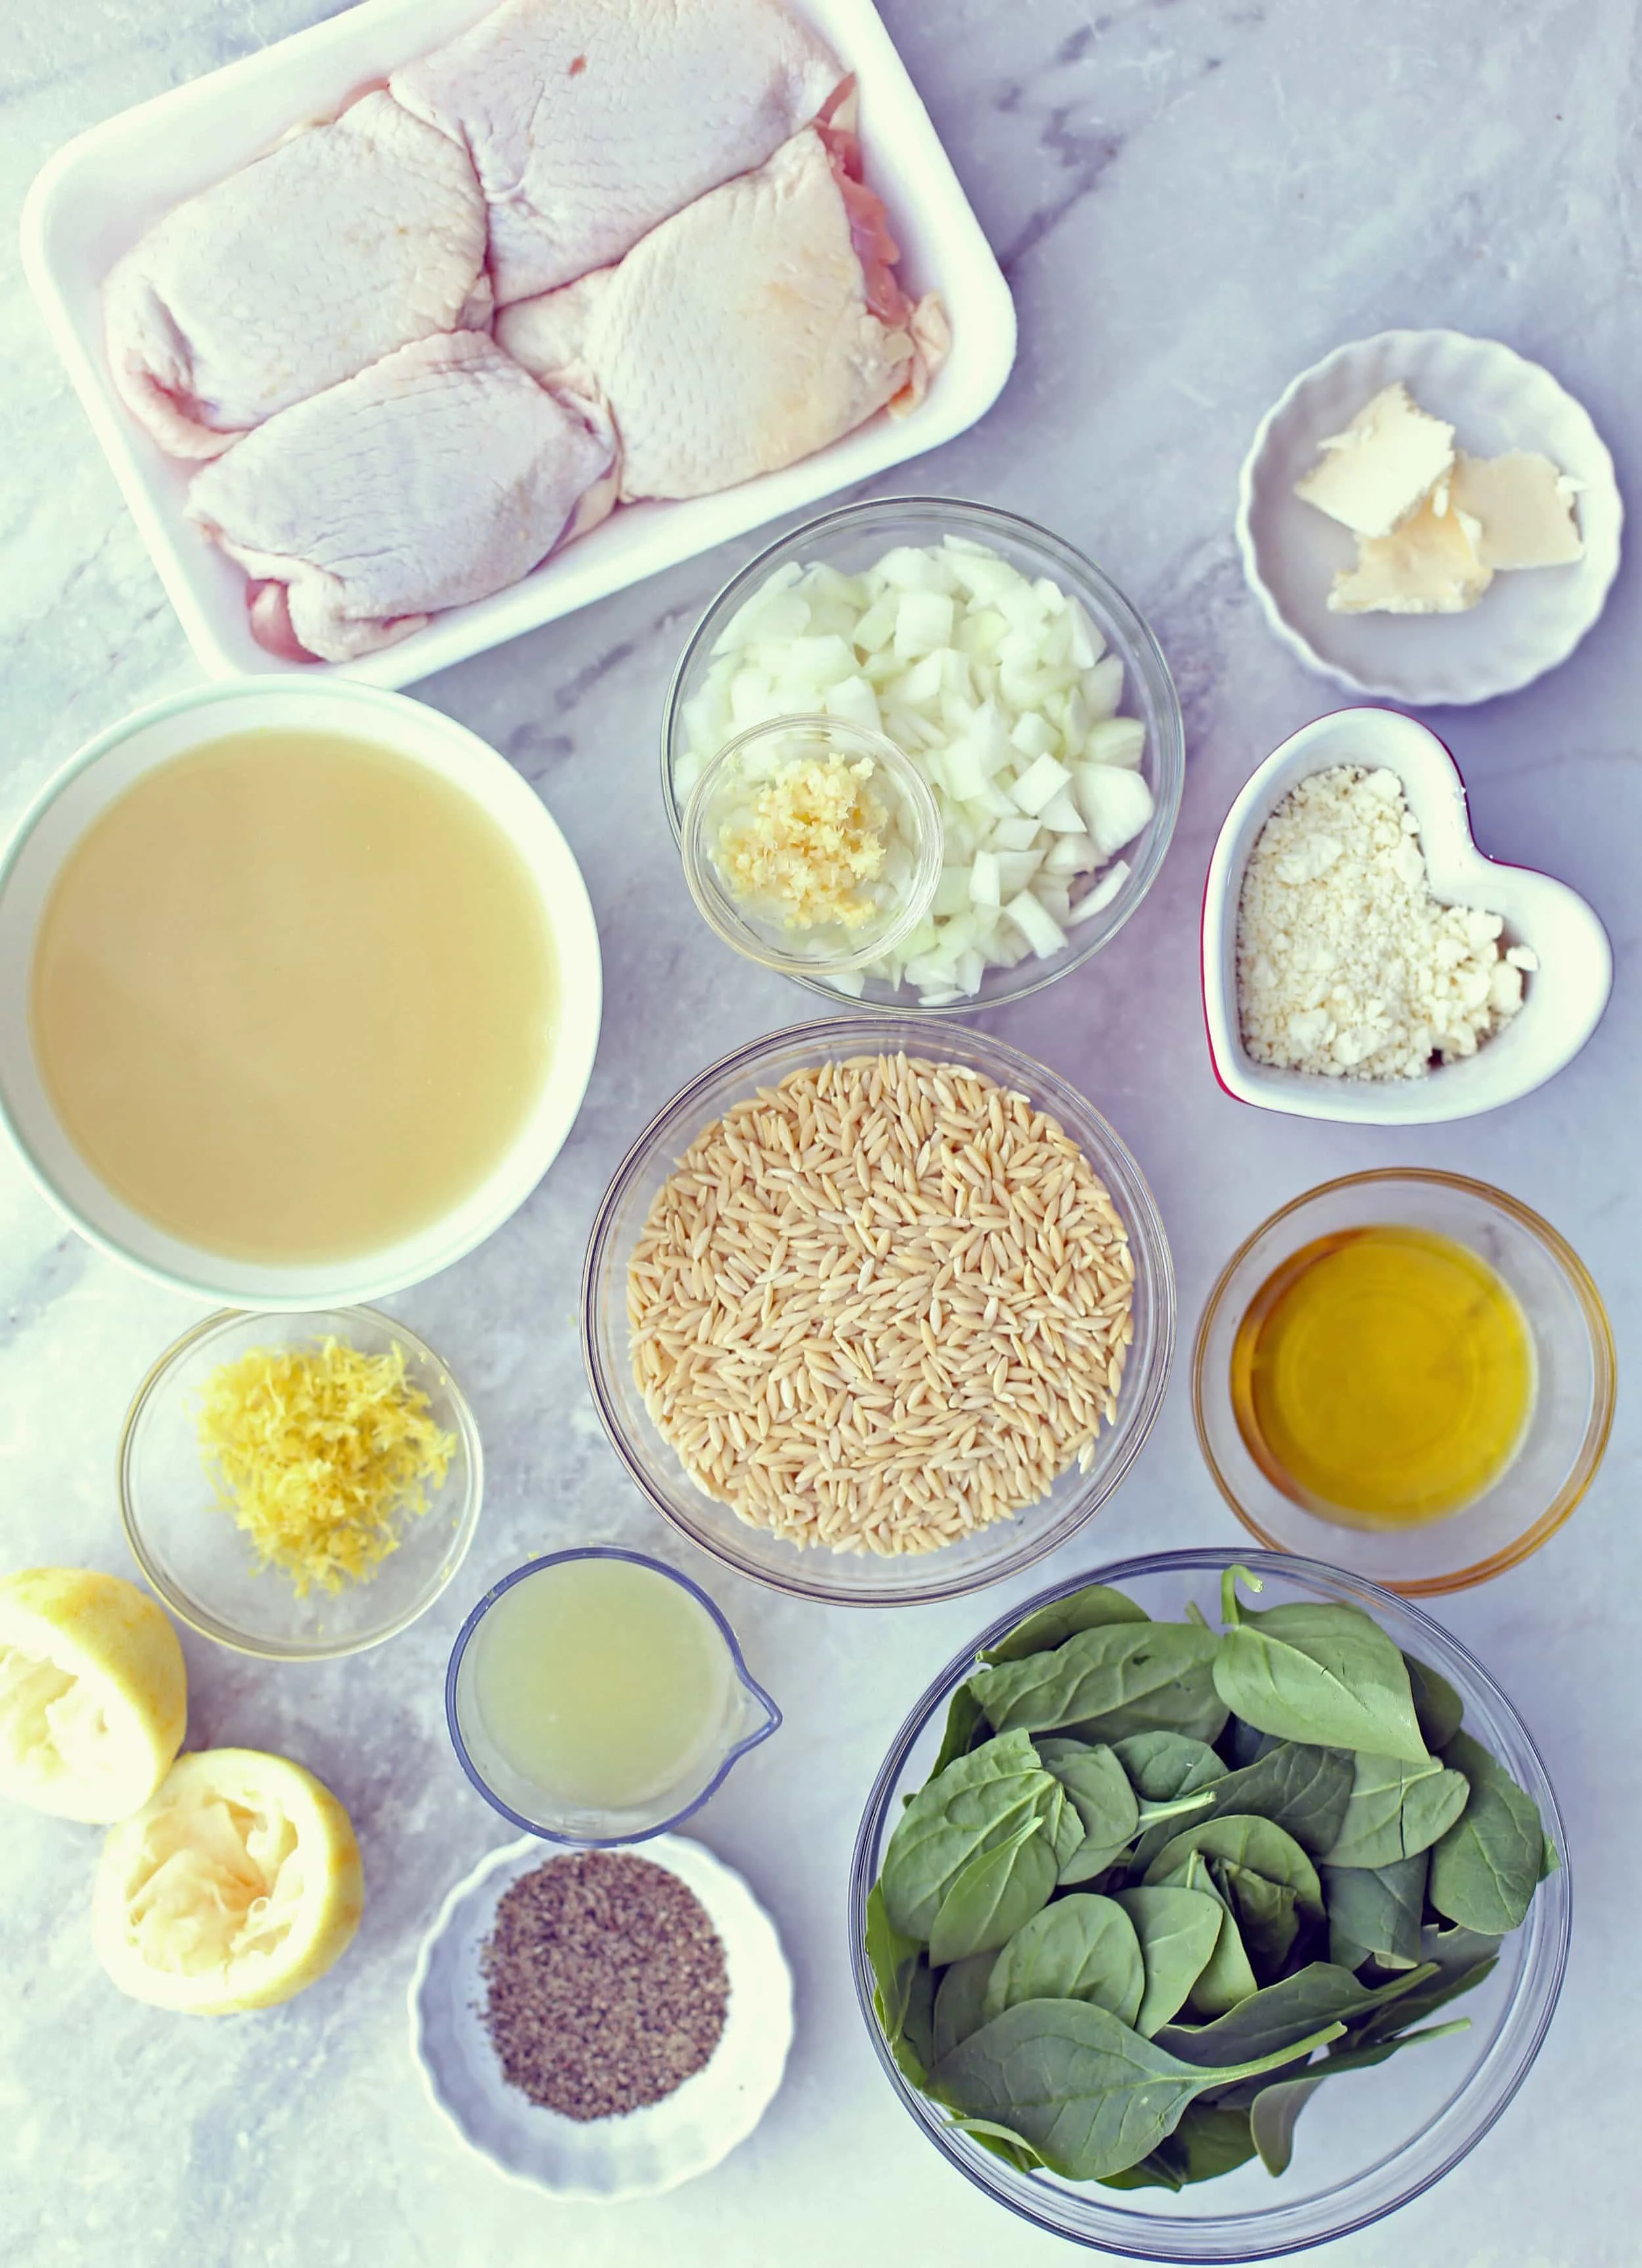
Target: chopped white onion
1000, 690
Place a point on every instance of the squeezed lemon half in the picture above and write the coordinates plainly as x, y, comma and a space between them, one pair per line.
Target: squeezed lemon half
236, 1887
93, 1693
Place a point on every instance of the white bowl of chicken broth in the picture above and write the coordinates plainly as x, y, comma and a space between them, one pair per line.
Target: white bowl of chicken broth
299, 993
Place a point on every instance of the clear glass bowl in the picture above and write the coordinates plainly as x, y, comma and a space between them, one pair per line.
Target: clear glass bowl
202, 1564
866, 1580
854, 537
1367, 2144
1568, 1425
749, 1716
898, 787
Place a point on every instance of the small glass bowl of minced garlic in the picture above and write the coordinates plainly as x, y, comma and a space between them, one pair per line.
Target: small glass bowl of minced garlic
812, 845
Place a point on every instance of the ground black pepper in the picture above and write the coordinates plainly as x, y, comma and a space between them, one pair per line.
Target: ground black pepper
606, 1984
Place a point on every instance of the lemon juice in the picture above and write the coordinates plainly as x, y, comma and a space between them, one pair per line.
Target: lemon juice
602, 1683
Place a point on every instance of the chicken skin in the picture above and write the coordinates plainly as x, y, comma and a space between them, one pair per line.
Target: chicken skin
440, 474
344, 242
748, 331
590, 120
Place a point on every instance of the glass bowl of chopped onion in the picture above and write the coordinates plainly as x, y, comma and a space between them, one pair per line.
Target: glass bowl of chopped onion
1370, 2141
1036, 1342
299, 1486
1013, 674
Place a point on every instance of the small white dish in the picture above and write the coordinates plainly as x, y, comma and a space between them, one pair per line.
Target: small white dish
1525, 622
646, 2151
1564, 998
83, 788
97, 195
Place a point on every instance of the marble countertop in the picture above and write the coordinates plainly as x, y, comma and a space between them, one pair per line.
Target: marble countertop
1192, 200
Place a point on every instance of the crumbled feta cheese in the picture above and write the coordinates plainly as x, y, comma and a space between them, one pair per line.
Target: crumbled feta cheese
1347, 967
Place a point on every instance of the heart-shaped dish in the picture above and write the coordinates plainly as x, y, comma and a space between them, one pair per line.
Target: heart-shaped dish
1564, 998
1525, 623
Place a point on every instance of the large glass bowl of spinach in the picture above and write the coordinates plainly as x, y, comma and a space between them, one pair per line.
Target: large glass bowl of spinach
1137, 1932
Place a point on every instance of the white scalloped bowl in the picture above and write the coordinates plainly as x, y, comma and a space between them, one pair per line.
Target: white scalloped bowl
1563, 1001
1526, 622
646, 2151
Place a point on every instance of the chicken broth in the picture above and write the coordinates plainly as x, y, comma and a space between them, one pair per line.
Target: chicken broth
292, 995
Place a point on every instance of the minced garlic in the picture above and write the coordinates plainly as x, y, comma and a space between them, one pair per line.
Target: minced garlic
804, 841
320, 1454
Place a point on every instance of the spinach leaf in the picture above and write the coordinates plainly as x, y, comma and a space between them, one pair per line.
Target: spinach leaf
1246, 1744
990, 1898
1437, 1705
1165, 1765
1079, 1948
1177, 1930
914, 2049
1089, 2094
1396, 1809
1188, 1705
1062, 1618
1152, 2172
1276, 2108
1065, 1829
1320, 1993
1248, 1841
1379, 1907
892, 1958
1302, 1789
1211, 2140
1002, 2141
1103, 1799
1226, 1977
1318, 1672
1455, 1949
976, 1801
1099, 1674
1166, 1769
963, 1721
1266, 1915
1457, 1973
1484, 1869
957, 2001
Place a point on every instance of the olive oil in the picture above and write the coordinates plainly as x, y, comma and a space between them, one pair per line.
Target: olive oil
1383, 1377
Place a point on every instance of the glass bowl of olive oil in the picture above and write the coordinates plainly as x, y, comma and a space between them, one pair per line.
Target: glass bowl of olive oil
1407, 1372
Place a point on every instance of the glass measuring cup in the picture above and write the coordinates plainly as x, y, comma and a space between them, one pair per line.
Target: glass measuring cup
737, 1714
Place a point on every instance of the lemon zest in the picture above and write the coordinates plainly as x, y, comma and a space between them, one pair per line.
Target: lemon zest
321, 1455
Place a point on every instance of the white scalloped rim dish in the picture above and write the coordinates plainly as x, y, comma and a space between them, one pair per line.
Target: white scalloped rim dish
646, 2151
1564, 999
1526, 622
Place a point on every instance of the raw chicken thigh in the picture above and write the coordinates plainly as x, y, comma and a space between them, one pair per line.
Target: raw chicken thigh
346, 241
590, 120
439, 476
744, 332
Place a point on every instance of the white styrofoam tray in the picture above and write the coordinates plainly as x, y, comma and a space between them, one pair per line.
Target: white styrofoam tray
99, 193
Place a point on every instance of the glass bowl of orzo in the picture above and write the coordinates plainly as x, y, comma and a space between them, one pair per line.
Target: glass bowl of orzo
878, 1313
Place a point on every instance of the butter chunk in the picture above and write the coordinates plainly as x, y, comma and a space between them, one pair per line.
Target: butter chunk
1524, 507
1427, 566
1381, 469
